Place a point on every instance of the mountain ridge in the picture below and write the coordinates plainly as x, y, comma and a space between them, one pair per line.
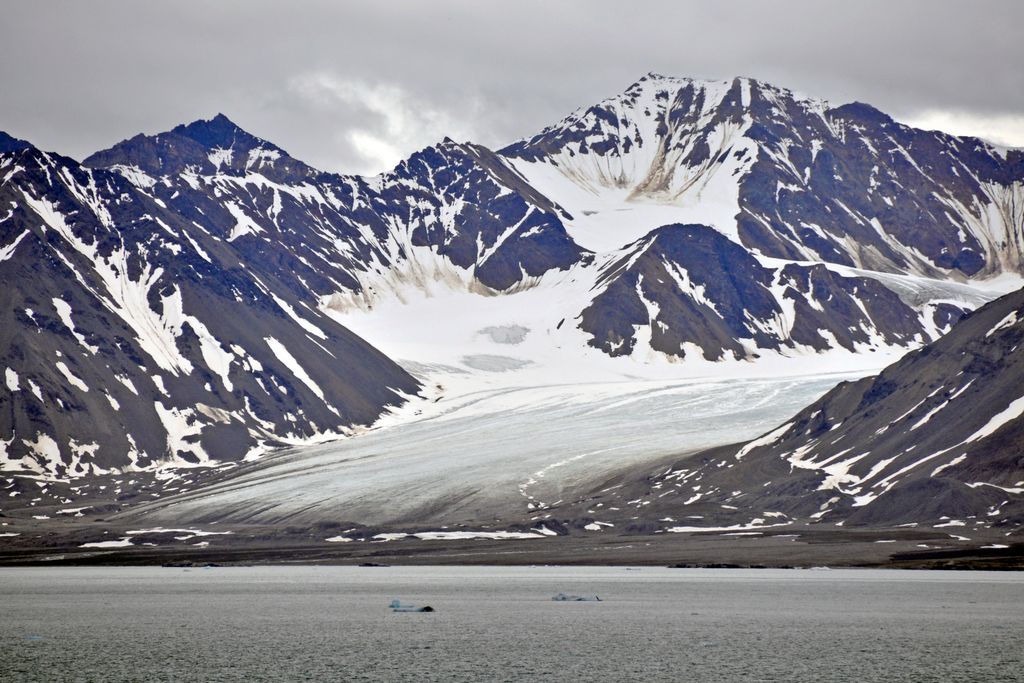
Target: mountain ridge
836, 228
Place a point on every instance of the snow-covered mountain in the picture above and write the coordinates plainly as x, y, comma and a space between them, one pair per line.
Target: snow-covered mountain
794, 183
682, 221
452, 213
794, 178
937, 438
133, 337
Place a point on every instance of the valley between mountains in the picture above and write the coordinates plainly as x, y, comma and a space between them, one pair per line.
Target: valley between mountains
700, 322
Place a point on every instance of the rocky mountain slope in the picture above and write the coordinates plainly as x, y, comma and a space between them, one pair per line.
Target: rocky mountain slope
133, 337
174, 299
937, 438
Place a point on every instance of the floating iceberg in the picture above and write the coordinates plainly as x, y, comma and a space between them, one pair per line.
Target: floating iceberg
565, 597
399, 606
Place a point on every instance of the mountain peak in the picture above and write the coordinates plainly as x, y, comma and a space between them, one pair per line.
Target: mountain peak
9, 143
659, 105
712, 85
220, 132
654, 76
209, 146
859, 111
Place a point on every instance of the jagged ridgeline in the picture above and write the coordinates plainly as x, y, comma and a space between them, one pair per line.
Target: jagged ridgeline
168, 300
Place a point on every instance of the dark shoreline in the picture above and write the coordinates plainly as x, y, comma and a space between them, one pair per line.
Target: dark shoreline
794, 547
45, 534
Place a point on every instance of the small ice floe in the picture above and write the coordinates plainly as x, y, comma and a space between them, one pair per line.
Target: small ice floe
338, 539
569, 597
123, 543
994, 546
886, 541
8, 534
597, 526
399, 606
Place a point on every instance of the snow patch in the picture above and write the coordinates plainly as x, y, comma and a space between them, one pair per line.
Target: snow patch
63, 309
1009, 414
289, 361
11, 378
72, 379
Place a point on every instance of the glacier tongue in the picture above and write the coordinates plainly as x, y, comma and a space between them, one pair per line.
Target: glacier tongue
511, 451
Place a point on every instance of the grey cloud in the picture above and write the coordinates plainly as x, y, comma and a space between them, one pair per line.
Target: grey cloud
78, 76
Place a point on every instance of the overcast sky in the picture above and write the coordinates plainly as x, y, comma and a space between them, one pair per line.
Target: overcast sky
355, 87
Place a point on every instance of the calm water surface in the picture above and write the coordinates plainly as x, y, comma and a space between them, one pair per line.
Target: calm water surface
499, 624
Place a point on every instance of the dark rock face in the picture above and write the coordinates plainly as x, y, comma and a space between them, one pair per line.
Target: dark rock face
832, 310
465, 204
691, 285
857, 188
936, 438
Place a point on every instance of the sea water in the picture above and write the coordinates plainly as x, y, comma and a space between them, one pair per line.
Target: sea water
499, 624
